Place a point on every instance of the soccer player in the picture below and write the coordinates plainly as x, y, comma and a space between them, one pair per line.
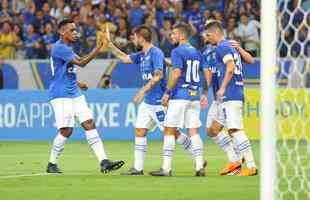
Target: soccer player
215, 119
67, 100
150, 112
231, 96
182, 98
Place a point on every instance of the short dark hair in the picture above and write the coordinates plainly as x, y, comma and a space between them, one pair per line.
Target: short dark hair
144, 32
214, 24
64, 22
244, 14
184, 28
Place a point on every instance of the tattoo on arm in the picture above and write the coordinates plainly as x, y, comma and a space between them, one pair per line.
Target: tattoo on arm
156, 78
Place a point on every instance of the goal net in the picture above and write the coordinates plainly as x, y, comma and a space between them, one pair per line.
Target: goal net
293, 100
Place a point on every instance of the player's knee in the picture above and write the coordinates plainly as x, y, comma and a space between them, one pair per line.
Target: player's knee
170, 131
211, 132
66, 132
89, 124
141, 132
232, 131
177, 134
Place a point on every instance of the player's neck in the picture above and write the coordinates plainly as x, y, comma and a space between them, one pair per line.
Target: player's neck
146, 47
64, 41
220, 40
183, 41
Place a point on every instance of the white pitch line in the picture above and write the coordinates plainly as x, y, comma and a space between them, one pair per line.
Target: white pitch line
24, 175
49, 174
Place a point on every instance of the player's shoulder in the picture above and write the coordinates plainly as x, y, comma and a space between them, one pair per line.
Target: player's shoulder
208, 50
157, 51
224, 44
175, 51
59, 47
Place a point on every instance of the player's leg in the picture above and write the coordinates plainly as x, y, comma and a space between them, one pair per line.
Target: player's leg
174, 119
144, 122
168, 149
140, 151
185, 141
234, 121
64, 116
192, 123
84, 115
214, 128
158, 115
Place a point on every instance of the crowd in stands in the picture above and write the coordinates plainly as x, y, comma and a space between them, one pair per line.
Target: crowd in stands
29, 27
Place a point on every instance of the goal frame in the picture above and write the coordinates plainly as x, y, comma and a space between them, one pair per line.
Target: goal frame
268, 180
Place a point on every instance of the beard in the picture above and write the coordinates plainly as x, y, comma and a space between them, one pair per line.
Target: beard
176, 44
138, 47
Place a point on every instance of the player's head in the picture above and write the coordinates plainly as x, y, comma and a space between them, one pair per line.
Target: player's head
204, 33
214, 32
67, 30
180, 32
142, 35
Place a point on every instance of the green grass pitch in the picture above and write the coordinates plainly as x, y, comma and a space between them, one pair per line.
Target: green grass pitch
83, 181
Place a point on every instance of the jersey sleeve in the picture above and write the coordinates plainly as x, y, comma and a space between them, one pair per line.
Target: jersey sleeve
64, 53
135, 57
158, 60
225, 53
176, 59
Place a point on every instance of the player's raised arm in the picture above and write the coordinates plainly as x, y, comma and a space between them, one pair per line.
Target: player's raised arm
125, 58
246, 56
83, 61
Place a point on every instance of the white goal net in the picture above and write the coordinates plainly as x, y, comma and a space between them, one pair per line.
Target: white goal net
293, 100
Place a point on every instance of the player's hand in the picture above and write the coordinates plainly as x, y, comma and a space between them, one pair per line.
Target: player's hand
220, 94
83, 86
235, 44
203, 101
165, 100
139, 97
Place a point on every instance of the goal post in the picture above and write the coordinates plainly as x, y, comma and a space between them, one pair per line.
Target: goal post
285, 100
268, 100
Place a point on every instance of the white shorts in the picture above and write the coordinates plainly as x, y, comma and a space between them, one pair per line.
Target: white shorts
150, 116
232, 111
67, 109
183, 114
215, 113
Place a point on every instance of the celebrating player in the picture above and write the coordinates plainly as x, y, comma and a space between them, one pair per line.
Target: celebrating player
215, 119
231, 96
150, 112
182, 98
67, 101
